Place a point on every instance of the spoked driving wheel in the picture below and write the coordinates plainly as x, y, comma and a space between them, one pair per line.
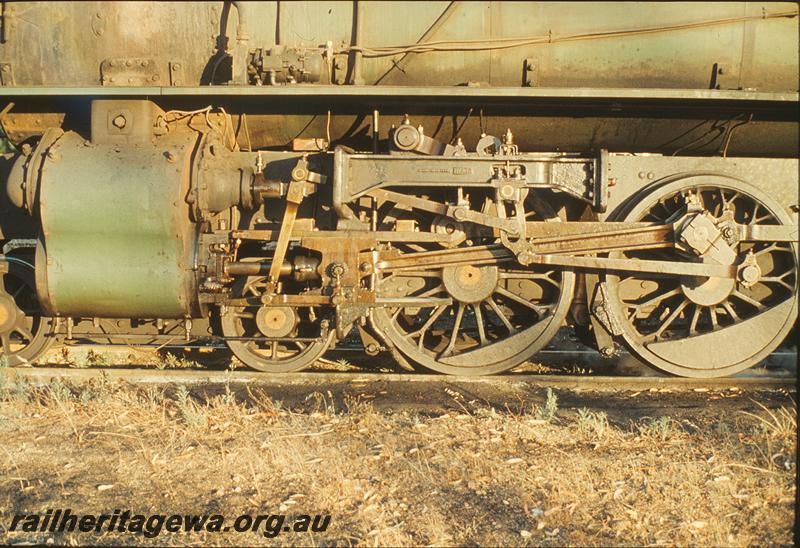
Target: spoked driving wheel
275, 339
709, 327
25, 333
473, 320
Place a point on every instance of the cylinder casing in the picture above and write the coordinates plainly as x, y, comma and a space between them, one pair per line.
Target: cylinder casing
116, 237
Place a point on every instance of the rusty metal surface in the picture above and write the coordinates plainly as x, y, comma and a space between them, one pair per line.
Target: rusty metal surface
21, 126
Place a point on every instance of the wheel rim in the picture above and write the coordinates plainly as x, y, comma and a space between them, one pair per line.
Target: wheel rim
714, 328
277, 355
25, 334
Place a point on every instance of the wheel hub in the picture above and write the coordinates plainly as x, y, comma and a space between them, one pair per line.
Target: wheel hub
275, 321
470, 284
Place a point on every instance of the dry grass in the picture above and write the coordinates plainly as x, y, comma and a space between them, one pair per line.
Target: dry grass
538, 476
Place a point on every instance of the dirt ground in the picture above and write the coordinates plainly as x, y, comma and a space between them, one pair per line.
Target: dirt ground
438, 463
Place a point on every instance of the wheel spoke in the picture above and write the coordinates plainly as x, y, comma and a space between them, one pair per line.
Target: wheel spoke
454, 335
652, 301
695, 316
396, 314
759, 306
6, 342
508, 294
671, 318
777, 280
479, 320
714, 323
438, 289
24, 331
499, 313
428, 323
731, 312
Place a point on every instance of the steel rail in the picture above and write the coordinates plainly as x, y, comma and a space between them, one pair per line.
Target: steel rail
41, 376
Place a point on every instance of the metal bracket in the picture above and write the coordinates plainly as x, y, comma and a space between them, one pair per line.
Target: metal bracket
176, 73
130, 71
600, 191
21, 126
721, 77
600, 311
340, 69
6, 74
530, 72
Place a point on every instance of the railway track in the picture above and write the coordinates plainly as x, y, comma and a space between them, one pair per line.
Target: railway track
753, 380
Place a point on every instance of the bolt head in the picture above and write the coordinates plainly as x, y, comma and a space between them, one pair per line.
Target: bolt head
299, 174
119, 121
750, 274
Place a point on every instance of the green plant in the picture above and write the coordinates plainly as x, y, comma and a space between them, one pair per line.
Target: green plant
95, 358
591, 422
192, 415
661, 428
21, 389
58, 390
550, 408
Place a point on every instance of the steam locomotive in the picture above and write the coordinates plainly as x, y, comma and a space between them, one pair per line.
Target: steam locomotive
453, 181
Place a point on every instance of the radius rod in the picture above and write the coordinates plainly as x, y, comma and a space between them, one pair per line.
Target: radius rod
496, 254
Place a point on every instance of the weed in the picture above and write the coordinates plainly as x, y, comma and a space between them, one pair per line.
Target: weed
170, 360
21, 389
661, 428
153, 396
81, 361
95, 358
548, 412
173, 361
781, 424
591, 422
58, 390
4, 361
85, 396
190, 412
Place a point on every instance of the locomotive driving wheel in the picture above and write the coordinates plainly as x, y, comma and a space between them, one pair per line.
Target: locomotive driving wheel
25, 333
275, 339
709, 327
474, 320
